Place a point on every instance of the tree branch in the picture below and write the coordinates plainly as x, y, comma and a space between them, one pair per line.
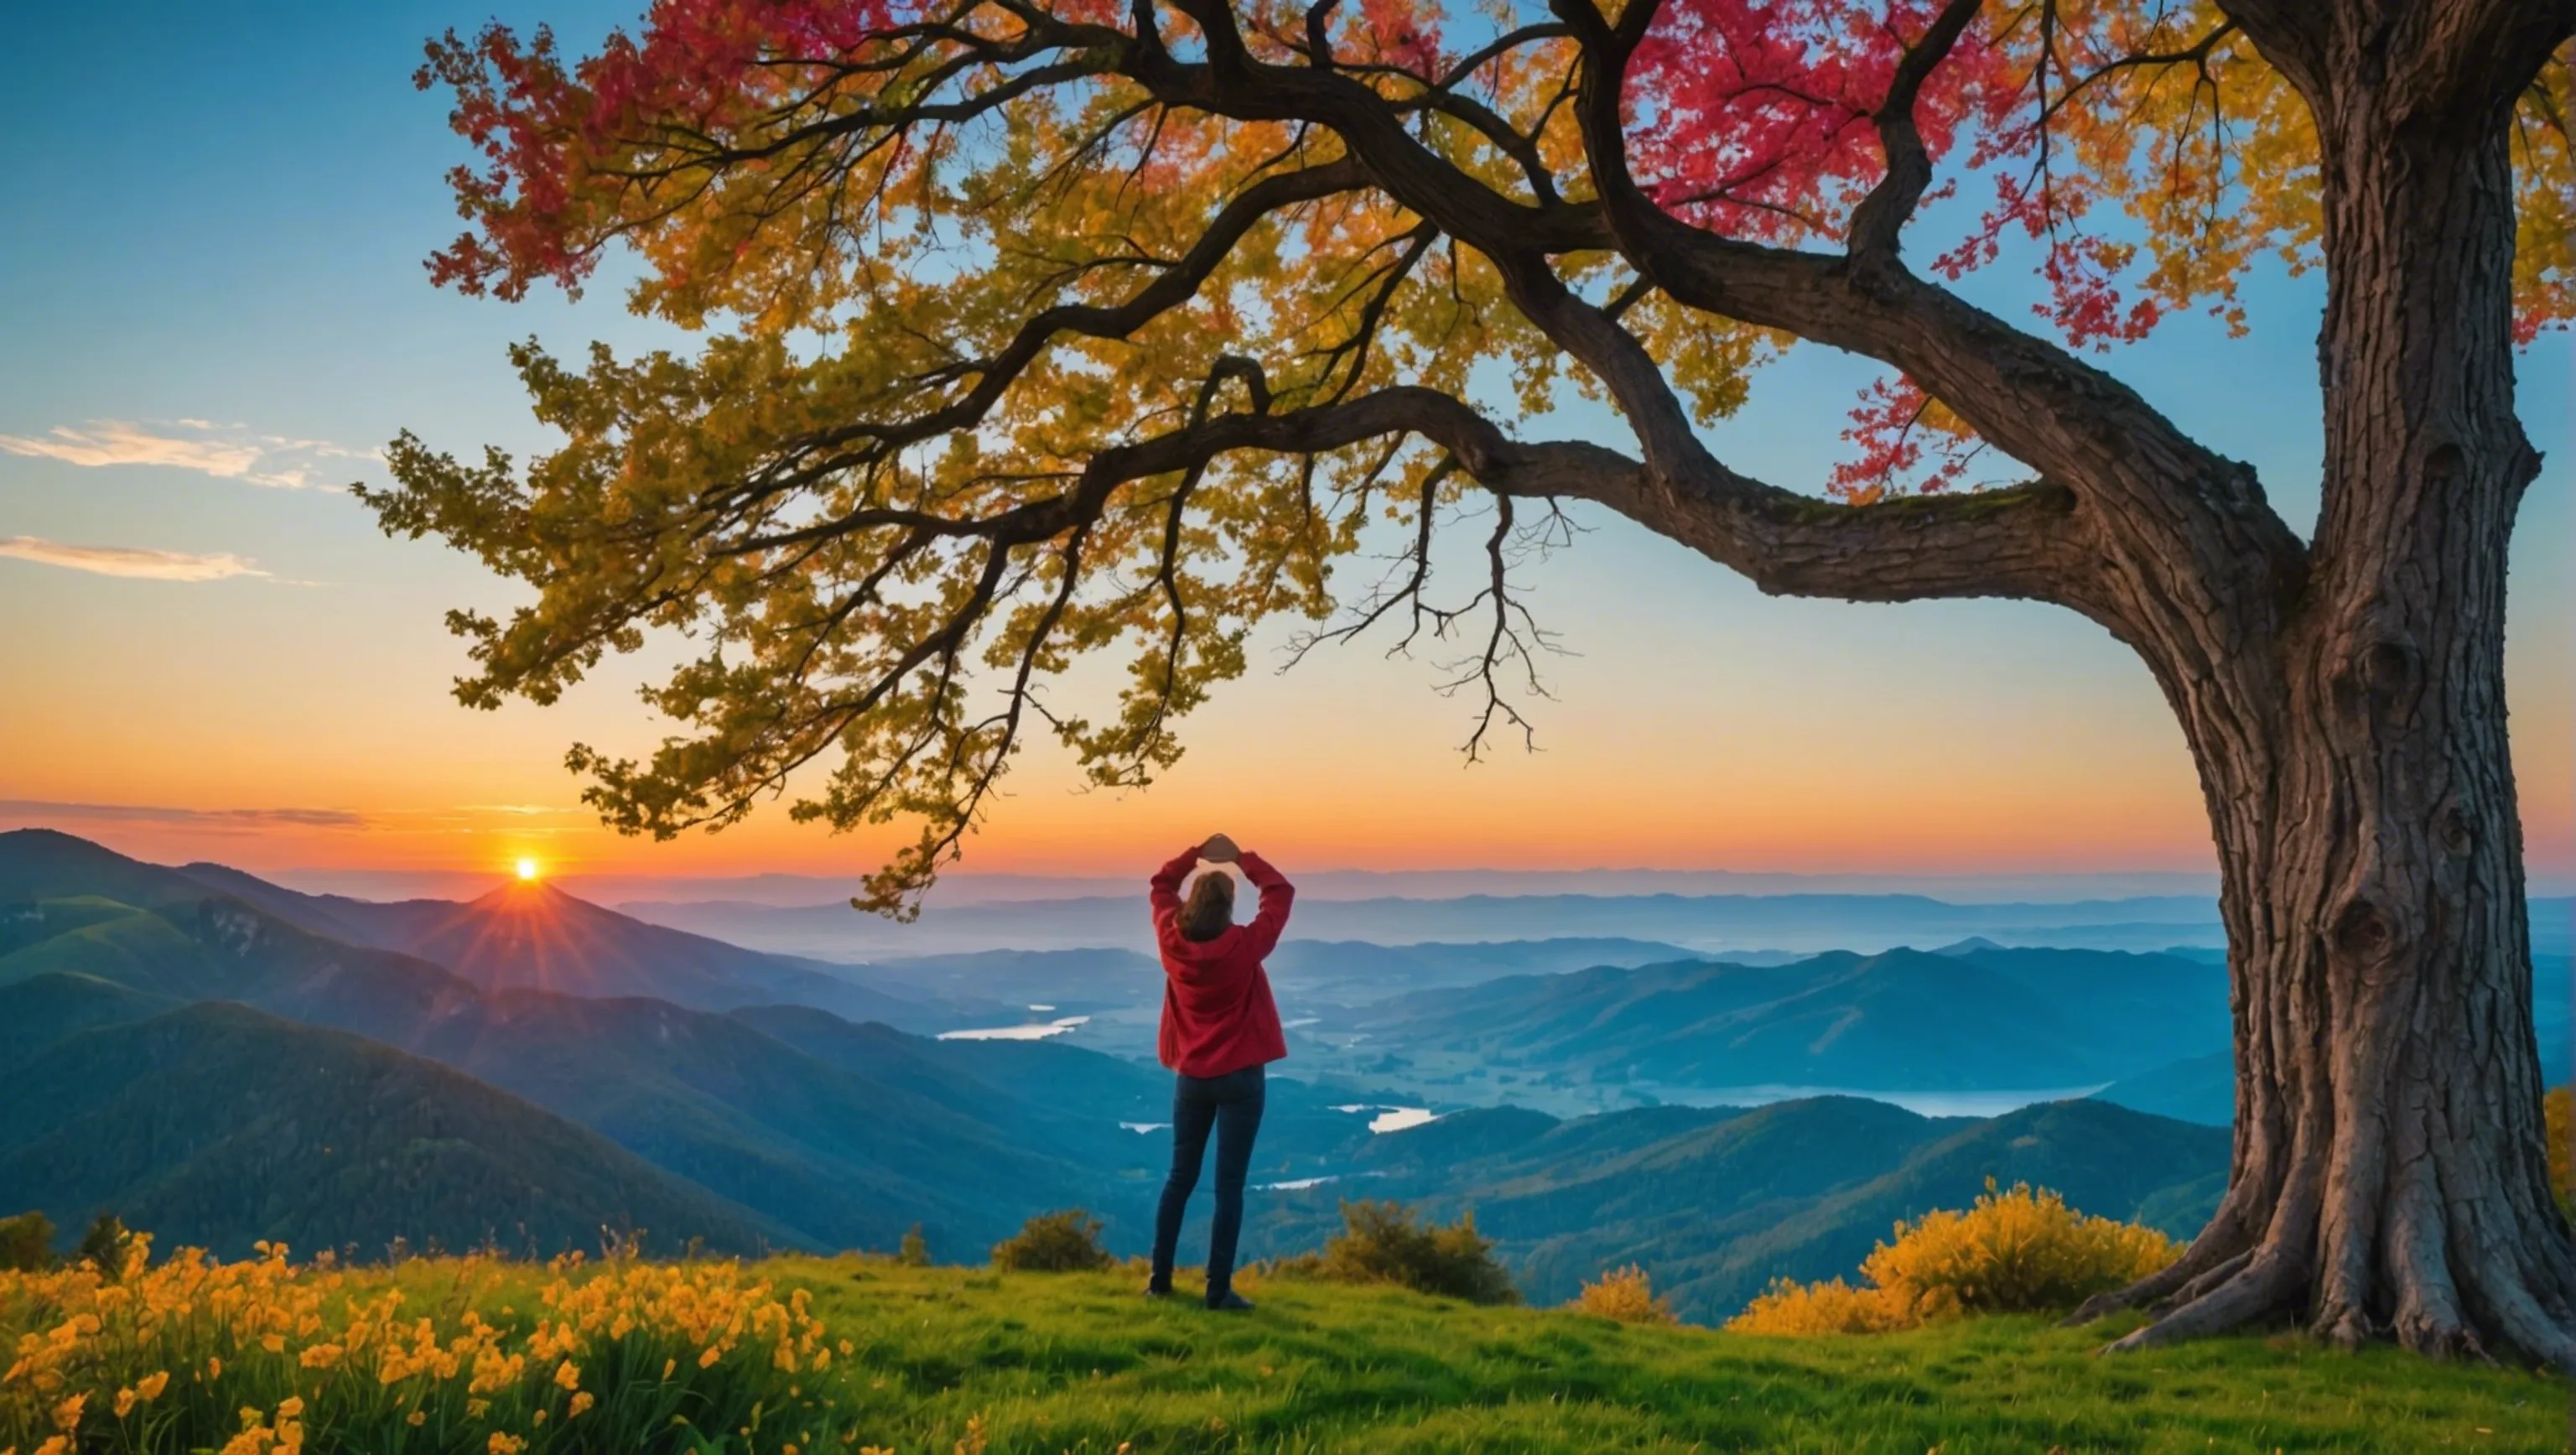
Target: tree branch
1882, 215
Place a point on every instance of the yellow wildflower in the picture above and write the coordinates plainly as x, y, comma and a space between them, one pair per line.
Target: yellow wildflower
320, 1356
58, 1445
67, 1415
124, 1403
580, 1401
416, 1418
290, 1407
502, 1444
214, 1367
150, 1386
273, 1343
668, 1365
539, 1418
709, 1358
568, 1375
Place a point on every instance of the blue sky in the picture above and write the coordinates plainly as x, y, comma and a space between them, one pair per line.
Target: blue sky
219, 215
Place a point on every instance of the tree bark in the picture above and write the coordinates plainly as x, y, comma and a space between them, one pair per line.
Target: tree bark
2389, 1172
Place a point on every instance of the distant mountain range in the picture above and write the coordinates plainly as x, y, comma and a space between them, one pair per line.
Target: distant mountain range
1701, 923
818, 1153
1977, 1017
221, 1059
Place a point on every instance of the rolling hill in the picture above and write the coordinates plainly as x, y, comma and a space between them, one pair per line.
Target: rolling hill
790, 1123
832, 1156
216, 1125
1721, 1201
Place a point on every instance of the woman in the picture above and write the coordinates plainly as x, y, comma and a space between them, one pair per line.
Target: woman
1220, 1028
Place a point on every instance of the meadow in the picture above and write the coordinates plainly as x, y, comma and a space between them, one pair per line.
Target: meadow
806, 1354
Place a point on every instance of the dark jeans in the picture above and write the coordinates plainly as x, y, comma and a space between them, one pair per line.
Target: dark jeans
1231, 1104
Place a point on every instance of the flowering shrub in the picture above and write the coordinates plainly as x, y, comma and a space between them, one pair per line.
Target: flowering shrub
1827, 1307
460, 1356
2014, 1252
1623, 1294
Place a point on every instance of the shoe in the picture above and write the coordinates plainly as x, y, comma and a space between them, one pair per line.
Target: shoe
1158, 1290
1230, 1302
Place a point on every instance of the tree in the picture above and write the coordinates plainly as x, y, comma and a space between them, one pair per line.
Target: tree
1039, 328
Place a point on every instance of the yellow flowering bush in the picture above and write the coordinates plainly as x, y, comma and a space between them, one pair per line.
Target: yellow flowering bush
459, 1356
1623, 1294
2014, 1252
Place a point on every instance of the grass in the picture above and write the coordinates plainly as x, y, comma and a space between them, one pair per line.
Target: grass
1079, 1362
930, 1361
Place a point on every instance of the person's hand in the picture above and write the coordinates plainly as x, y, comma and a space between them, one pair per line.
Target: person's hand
1219, 850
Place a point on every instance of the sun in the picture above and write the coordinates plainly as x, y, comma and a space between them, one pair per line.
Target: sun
527, 871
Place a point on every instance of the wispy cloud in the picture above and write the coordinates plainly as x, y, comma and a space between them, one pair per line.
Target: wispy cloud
319, 818
137, 561
227, 451
523, 810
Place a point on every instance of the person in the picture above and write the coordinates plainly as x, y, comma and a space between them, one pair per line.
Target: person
1220, 1028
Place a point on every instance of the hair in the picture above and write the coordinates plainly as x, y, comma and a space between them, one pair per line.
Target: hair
1209, 911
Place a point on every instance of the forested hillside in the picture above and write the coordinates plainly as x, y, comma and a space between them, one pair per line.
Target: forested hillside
225, 1126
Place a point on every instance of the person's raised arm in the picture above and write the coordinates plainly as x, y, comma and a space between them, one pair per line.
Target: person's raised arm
1164, 893
1276, 895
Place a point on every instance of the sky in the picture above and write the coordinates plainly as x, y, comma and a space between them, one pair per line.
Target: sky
213, 313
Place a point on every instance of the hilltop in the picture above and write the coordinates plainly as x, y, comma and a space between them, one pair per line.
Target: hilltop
1079, 1363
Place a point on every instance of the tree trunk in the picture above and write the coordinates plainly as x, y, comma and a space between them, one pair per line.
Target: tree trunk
2389, 1172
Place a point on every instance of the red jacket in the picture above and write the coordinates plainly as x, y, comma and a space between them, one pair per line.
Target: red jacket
1217, 1012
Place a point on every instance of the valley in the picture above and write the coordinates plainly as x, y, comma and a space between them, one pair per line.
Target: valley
224, 1059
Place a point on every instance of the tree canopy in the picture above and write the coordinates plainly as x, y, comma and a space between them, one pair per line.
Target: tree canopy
1043, 328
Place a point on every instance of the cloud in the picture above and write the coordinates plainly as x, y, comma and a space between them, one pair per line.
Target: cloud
320, 818
135, 561
227, 451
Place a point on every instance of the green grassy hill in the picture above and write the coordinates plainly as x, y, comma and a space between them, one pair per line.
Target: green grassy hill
1079, 1363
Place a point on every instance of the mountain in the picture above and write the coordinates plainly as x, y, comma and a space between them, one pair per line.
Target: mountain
2198, 1089
1717, 1202
1904, 1020
215, 1125
1356, 972
830, 1154
536, 937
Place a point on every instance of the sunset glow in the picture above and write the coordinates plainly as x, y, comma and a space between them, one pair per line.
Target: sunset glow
527, 871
